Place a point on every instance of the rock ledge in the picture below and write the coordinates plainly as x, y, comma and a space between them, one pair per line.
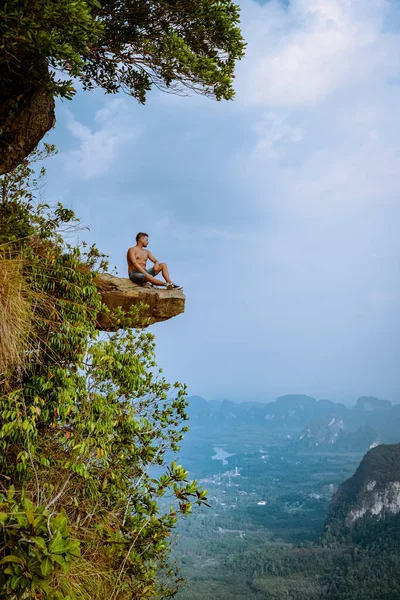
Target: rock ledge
120, 292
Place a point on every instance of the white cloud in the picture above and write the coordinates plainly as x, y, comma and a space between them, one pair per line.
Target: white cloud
275, 134
299, 55
99, 147
317, 84
279, 212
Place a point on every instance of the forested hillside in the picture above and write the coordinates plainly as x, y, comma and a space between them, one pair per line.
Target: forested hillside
280, 523
364, 518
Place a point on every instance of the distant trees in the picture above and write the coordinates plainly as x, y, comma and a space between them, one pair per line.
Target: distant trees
370, 568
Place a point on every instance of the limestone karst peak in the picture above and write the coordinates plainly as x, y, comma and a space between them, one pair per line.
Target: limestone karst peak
372, 492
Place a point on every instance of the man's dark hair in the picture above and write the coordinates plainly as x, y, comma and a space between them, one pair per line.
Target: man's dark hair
140, 235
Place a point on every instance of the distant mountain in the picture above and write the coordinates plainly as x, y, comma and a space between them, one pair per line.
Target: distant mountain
363, 439
363, 529
370, 420
321, 432
297, 410
371, 404
329, 434
372, 493
382, 415
293, 411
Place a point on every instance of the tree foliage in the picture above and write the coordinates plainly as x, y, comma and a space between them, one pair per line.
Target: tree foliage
121, 44
87, 496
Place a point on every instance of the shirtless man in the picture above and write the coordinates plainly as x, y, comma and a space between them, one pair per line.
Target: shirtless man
137, 258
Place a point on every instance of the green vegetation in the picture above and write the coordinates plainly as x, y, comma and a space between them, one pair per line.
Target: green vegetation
120, 44
48, 46
267, 535
369, 569
380, 466
83, 419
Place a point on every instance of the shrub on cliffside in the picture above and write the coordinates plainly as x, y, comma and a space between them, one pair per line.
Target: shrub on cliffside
82, 419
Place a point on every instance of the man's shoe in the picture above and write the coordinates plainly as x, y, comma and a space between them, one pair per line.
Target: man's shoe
173, 286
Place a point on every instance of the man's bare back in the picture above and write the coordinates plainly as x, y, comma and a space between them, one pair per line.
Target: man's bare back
137, 258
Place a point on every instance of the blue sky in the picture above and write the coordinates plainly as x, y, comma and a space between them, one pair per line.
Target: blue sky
278, 212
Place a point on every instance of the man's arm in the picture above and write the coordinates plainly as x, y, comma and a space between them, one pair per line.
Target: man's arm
133, 261
151, 257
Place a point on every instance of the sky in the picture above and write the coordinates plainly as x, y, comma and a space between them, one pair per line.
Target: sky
278, 212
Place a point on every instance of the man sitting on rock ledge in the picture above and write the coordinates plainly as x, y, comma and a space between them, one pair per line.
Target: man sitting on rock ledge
137, 258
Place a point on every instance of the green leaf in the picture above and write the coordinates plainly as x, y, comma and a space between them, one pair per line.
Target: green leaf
44, 585
22, 520
60, 522
57, 544
12, 559
14, 581
46, 567
39, 541
39, 519
28, 505
73, 548
60, 560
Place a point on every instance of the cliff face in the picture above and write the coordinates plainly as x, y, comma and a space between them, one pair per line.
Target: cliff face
377, 502
120, 292
373, 491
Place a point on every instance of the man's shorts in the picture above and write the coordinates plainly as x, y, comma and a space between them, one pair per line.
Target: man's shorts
138, 277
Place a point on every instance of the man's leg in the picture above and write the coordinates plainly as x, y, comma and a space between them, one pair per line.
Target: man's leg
163, 269
153, 280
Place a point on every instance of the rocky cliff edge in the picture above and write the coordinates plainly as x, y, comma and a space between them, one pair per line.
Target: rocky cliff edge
119, 292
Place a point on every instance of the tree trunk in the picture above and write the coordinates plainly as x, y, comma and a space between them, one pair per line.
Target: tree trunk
26, 115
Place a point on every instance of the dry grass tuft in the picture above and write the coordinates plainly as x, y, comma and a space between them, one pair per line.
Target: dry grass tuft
15, 314
89, 579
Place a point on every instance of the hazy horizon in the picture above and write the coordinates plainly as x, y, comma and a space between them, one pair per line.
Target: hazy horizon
265, 400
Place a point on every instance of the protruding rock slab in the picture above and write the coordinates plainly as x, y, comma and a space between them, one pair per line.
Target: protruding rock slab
120, 292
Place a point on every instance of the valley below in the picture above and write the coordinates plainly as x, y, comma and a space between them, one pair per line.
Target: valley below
269, 495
